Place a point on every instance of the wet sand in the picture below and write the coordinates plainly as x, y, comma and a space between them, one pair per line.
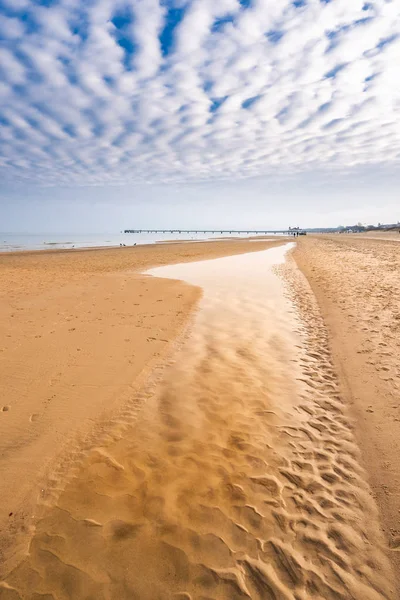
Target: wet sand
80, 332
237, 476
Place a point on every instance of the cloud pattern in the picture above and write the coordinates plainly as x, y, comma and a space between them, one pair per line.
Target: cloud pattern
118, 91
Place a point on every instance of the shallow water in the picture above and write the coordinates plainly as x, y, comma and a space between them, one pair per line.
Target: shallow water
239, 477
12, 242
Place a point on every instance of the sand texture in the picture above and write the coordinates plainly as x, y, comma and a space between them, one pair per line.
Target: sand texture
356, 280
392, 236
239, 477
79, 331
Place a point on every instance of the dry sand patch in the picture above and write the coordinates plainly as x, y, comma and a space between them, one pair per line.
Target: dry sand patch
357, 285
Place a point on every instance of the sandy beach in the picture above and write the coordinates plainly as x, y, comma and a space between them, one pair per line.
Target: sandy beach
175, 427
199, 300
355, 279
80, 330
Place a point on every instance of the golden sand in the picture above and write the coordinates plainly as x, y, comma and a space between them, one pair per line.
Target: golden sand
232, 470
356, 282
79, 331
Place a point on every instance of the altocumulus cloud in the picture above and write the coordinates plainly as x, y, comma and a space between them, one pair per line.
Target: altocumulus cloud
112, 92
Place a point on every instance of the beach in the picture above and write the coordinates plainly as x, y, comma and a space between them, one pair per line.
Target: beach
201, 420
80, 330
355, 280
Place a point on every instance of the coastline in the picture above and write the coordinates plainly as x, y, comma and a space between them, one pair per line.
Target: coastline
81, 331
72, 242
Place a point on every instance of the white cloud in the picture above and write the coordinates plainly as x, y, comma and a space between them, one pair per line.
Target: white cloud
87, 97
16, 5
146, 27
10, 27
13, 71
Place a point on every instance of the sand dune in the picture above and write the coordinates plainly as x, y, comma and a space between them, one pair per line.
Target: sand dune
238, 478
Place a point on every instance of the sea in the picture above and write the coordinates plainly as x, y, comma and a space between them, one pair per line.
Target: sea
14, 242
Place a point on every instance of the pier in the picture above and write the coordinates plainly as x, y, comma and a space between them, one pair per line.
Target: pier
220, 231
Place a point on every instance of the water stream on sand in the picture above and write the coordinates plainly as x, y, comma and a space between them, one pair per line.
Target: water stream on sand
239, 477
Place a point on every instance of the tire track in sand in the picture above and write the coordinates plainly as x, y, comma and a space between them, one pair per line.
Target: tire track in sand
240, 477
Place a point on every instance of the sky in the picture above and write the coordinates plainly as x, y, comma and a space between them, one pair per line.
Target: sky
189, 113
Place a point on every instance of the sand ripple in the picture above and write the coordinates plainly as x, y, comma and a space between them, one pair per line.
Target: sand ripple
240, 477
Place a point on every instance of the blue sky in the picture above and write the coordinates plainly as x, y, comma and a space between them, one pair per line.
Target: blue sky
116, 113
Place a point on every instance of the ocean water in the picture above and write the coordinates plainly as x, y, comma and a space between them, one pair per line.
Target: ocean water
12, 242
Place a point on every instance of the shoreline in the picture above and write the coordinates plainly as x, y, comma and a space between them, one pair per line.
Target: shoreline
70, 246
